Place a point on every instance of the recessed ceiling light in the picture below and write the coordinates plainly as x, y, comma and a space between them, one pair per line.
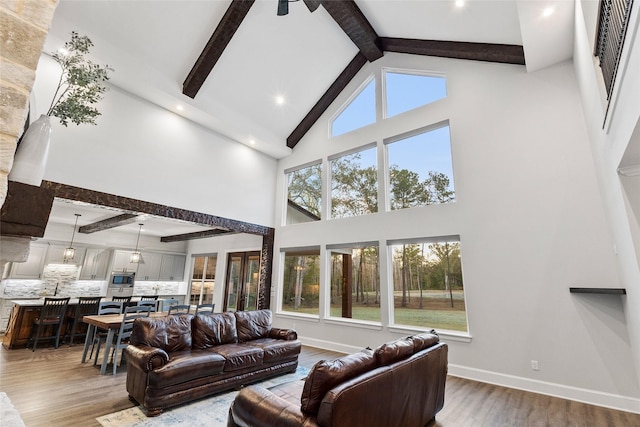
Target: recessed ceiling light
252, 142
548, 11
459, 3
279, 99
179, 107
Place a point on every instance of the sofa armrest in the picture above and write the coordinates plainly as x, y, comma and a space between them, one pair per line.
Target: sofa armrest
146, 358
283, 334
256, 406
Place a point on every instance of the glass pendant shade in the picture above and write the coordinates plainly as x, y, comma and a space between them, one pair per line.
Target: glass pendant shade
136, 256
70, 252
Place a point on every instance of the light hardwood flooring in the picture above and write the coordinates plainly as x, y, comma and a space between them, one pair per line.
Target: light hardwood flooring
51, 387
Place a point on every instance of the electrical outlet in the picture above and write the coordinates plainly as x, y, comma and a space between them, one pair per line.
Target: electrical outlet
534, 365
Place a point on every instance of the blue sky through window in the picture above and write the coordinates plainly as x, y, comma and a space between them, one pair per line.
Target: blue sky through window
429, 151
359, 113
405, 92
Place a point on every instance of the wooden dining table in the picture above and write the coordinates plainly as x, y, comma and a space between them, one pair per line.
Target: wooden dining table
110, 323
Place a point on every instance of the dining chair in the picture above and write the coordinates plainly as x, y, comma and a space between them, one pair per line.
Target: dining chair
105, 307
205, 308
152, 304
86, 306
179, 309
124, 333
52, 313
168, 302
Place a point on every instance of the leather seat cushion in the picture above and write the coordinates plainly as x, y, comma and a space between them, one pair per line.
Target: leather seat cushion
276, 350
171, 333
239, 356
214, 329
185, 366
326, 374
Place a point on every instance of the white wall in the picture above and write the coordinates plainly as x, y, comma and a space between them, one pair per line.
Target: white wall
220, 247
141, 151
531, 223
609, 145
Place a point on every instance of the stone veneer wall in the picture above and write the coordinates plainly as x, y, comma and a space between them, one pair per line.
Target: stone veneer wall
24, 25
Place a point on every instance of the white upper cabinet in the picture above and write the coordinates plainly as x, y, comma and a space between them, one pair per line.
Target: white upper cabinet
149, 267
96, 264
172, 267
32, 267
121, 262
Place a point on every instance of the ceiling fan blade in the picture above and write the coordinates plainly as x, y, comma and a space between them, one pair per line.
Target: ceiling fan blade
283, 7
312, 5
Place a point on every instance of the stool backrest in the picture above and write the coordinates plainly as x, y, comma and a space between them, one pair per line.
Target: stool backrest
54, 308
87, 306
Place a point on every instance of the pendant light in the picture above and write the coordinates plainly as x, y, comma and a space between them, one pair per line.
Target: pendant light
70, 252
136, 256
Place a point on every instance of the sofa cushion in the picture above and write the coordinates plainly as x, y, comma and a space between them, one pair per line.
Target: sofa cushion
171, 333
327, 374
424, 340
394, 351
253, 324
186, 366
214, 329
239, 356
276, 350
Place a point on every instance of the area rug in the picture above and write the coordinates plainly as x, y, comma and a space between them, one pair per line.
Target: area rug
9, 415
212, 411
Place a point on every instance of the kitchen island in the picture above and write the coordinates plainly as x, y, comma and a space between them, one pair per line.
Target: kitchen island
23, 313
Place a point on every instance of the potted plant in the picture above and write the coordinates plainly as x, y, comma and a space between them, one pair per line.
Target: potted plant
81, 85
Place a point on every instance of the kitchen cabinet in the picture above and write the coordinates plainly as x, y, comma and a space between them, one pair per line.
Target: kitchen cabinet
149, 267
55, 255
172, 267
32, 267
96, 264
5, 312
121, 262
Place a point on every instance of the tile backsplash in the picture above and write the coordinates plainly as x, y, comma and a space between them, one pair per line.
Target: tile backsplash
61, 280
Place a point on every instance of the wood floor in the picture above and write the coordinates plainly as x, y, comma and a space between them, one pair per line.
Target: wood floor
52, 388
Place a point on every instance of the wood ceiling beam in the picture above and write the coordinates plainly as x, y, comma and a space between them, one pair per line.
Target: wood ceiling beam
106, 224
216, 45
353, 22
327, 99
195, 235
490, 52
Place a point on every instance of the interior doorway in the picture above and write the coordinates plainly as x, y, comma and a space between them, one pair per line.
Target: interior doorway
242, 284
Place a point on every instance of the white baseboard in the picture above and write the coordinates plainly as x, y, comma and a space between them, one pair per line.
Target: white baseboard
592, 397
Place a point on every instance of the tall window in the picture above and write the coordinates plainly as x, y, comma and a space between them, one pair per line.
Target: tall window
428, 288
406, 91
420, 169
354, 184
360, 112
304, 194
203, 280
355, 282
301, 283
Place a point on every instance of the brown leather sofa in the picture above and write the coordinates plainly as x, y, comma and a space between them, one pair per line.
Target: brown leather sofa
175, 359
400, 384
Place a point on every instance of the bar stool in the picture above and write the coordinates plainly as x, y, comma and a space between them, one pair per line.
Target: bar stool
124, 300
86, 306
51, 314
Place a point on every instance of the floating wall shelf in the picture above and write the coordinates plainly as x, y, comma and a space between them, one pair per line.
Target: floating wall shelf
608, 291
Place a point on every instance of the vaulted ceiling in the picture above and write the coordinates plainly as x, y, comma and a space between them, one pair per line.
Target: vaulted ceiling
306, 58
